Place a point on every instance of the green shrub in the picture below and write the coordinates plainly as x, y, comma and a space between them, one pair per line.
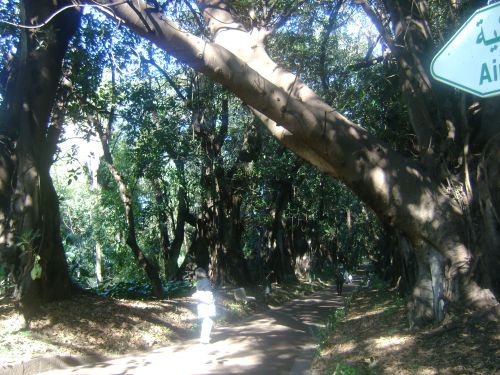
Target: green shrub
346, 369
125, 289
177, 288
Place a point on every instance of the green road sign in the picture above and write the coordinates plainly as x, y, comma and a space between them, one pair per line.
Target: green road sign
470, 61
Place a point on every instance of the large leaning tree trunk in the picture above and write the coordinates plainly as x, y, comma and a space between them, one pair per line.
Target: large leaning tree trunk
404, 193
29, 213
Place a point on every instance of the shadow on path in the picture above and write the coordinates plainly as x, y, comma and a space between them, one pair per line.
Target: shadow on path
278, 341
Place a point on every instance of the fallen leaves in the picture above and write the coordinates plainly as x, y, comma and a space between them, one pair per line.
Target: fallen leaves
88, 324
374, 339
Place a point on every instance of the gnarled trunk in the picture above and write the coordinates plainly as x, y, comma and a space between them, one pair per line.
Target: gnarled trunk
30, 208
428, 297
228, 265
443, 128
222, 209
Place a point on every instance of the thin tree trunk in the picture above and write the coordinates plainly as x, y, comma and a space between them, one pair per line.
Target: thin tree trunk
149, 268
98, 262
281, 258
125, 197
171, 250
162, 223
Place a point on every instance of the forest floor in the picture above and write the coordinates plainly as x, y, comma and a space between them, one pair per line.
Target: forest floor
372, 338
90, 325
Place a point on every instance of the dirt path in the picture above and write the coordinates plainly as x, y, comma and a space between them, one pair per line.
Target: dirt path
278, 341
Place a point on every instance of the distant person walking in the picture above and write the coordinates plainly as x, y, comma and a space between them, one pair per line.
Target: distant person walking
339, 280
349, 278
206, 304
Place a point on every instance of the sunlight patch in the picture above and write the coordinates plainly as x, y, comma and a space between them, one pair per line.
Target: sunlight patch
346, 347
377, 176
28, 201
425, 210
354, 132
427, 371
394, 342
237, 41
414, 172
375, 311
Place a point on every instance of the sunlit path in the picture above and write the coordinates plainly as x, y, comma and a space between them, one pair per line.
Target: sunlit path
278, 341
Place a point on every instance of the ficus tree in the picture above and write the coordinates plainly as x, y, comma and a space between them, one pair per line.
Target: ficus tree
417, 196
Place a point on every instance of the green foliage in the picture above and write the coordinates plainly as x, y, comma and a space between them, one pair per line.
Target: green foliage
347, 369
90, 216
26, 241
141, 289
238, 307
6, 284
104, 177
376, 282
36, 271
9, 12
178, 288
158, 147
323, 335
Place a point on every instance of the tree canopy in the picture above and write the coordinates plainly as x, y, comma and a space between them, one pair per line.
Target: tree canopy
262, 140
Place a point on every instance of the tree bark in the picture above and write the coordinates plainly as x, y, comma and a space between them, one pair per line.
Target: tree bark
350, 153
29, 203
227, 262
442, 125
98, 262
161, 211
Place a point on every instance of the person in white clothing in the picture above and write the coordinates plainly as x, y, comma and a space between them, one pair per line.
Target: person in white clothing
349, 278
206, 304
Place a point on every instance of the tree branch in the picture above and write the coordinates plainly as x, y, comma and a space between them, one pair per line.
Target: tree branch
379, 24
283, 18
332, 20
167, 77
195, 15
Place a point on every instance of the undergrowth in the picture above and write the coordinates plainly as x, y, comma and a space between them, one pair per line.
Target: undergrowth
372, 337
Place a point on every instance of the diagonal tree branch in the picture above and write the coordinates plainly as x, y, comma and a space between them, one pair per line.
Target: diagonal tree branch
379, 24
172, 83
399, 190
